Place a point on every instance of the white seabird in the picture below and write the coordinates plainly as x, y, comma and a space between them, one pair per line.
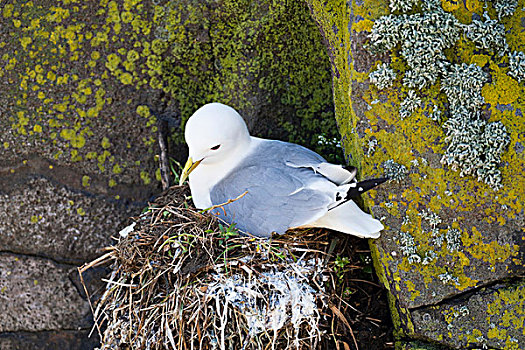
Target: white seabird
270, 186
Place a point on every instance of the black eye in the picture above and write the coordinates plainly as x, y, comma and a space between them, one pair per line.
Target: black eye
214, 148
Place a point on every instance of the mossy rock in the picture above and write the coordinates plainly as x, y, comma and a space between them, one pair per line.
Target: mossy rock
446, 235
88, 85
417, 345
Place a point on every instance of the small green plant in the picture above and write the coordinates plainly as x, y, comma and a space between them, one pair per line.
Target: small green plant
273, 251
227, 231
340, 267
367, 260
347, 292
176, 169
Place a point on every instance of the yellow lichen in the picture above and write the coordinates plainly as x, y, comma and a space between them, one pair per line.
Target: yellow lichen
502, 90
85, 181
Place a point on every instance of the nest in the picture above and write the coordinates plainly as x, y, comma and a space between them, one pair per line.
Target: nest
181, 279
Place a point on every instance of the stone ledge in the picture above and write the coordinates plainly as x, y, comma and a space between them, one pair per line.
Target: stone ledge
43, 218
49, 340
39, 289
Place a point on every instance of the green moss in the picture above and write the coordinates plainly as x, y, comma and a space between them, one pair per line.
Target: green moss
76, 140
145, 177
105, 143
202, 55
264, 58
85, 181
117, 169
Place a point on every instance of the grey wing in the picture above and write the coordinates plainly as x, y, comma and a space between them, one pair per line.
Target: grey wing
301, 157
276, 199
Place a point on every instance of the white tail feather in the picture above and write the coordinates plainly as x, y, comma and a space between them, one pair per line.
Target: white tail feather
348, 218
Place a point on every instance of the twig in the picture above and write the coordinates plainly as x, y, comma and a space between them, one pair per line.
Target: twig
119, 283
228, 202
163, 161
364, 281
339, 314
89, 299
96, 262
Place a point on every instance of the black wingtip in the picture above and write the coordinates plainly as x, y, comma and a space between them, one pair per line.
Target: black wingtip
363, 186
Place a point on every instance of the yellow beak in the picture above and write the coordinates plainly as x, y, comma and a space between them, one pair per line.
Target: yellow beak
188, 168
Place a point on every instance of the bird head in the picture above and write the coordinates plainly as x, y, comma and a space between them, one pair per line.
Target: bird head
213, 133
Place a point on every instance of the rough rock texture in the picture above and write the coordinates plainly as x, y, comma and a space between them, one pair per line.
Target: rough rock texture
493, 316
417, 345
89, 87
48, 340
59, 223
34, 287
447, 235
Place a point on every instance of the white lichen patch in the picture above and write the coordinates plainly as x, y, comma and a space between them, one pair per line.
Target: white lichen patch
495, 142
517, 65
394, 171
409, 105
447, 278
432, 220
383, 77
505, 8
488, 35
429, 257
402, 5
407, 246
465, 143
422, 38
385, 34
453, 237
432, 5
462, 84
436, 114
475, 147
371, 147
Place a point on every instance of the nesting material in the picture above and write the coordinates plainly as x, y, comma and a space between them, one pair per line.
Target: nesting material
182, 280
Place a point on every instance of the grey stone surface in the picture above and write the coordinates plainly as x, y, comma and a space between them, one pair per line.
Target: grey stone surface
486, 253
493, 317
418, 345
36, 295
44, 218
48, 340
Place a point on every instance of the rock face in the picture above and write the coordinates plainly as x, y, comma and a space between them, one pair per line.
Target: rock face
34, 287
88, 90
453, 252
47, 340
59, 223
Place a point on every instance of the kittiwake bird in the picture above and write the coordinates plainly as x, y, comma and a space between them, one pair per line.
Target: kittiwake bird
266, 186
